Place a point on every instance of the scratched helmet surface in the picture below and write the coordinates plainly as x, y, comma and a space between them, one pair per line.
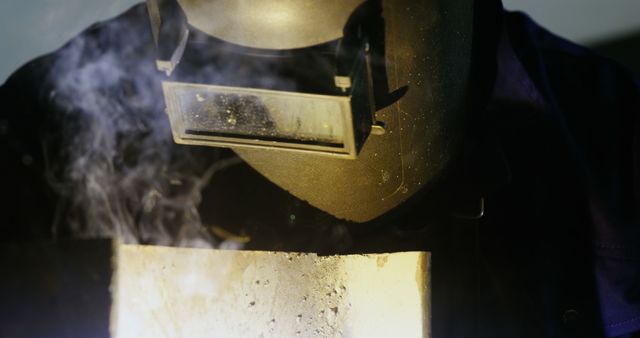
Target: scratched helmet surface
376, 90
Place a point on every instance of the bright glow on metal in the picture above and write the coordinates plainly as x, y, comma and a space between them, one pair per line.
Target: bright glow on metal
174, 292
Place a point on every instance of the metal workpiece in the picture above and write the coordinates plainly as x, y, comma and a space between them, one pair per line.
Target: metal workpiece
175, 292
106, 289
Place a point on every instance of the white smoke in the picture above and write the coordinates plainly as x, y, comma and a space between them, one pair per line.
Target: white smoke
121, 172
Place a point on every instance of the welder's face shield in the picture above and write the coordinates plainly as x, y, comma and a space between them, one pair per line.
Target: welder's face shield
352, 105
240, 117
307, 92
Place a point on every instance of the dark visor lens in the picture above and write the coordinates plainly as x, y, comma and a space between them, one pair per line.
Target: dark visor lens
231, 116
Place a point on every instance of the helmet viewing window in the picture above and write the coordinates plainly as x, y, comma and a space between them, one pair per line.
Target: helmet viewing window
314, 100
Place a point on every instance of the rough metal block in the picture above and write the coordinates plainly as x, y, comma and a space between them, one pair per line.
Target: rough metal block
101, 289
172, 292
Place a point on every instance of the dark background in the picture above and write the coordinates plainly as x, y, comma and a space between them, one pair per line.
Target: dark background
624, 49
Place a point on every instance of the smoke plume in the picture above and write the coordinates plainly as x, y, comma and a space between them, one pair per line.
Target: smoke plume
119, 170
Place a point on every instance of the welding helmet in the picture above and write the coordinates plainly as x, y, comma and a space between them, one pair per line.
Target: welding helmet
350, 105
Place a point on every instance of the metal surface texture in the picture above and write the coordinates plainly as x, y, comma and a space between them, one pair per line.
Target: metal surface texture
174, 292
282, 24
100, 288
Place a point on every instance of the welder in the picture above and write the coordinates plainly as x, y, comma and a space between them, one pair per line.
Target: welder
340, 127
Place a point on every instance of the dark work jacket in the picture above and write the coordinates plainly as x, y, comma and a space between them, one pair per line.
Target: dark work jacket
551, 164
